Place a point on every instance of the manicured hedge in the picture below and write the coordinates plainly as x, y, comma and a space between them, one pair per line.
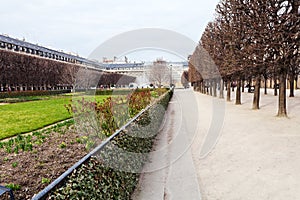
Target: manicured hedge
18, 94
113, 173
118, 92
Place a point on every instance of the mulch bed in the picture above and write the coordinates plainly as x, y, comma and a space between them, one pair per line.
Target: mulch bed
34, 170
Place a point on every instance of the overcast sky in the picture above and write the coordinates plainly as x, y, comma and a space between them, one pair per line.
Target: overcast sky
80, 26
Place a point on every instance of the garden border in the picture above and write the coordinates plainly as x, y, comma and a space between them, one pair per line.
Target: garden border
42, 194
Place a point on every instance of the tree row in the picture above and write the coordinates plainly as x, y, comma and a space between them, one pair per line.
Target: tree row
249, 41
21, 72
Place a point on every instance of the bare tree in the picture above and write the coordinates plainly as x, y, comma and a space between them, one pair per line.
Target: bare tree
253, 39
185, 79
159, 73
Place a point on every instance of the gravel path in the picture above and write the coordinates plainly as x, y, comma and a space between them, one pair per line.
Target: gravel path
214, 150
257, 155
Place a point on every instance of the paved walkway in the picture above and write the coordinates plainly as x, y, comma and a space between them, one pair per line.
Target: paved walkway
171, 174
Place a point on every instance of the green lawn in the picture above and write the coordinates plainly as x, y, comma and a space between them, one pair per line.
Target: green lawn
29, 116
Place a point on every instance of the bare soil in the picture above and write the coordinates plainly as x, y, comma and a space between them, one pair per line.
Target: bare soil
46, 161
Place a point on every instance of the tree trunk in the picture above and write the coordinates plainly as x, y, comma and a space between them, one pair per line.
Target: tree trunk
210, 87
238, 93
228, 91
271, 82
200, 87
221, 89
282, 111
266, 79
256, 97
250, 84
275, 87
292, 85
243, 86
215, 87
206, 86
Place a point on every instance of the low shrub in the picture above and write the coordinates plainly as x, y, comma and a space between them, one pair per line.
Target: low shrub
62, 145
118, 92
18, 94
13, 186
107, 116
25, 142
45, 180
14, 164
113, 172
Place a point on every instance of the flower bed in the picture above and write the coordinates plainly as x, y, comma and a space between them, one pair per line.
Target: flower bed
31, 162
113, 171
28, 163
